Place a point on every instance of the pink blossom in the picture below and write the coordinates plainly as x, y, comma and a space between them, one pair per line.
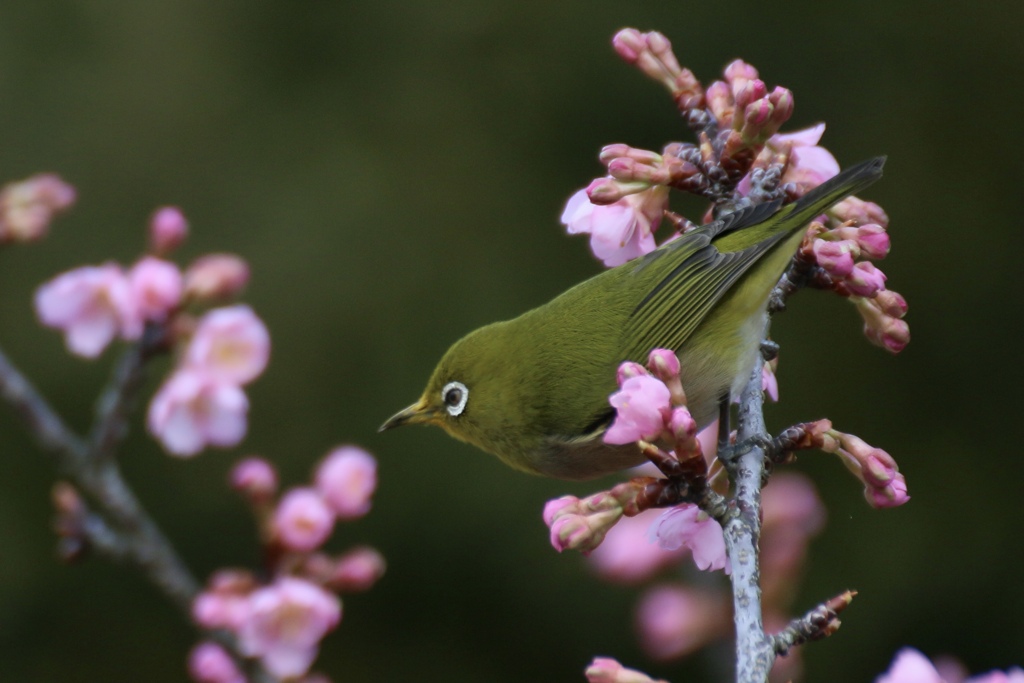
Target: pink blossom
663, 363
302, 521
91, 305
27, 207
910, 666
873, 240
642, 405
215, 277
1014, 675
209, 663
167, 229
882, 324
346, 479
620, 231
889, 495
155, 287
628, 555
865, 280
192, 410
770, 382
255, 477
860, 212
809, 164
582, 524
224, 603
230, 345
357, 570
688, 526
674, 621
285, 623
607, 670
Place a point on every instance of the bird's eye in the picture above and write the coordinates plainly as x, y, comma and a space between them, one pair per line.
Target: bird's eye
455, 395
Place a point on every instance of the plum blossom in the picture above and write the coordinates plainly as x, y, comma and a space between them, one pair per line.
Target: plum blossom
255, 477
209, 663
607, 670
910, 666
642, 406
809, 164
224, 603
357, 570
27, 207
230, 345
285, 623
192, 410
215, 277
689, 526
302, 520
620, 231
628, 555
155, 287
346, 479
92, 305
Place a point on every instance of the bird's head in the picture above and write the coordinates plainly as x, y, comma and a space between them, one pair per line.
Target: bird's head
478, 393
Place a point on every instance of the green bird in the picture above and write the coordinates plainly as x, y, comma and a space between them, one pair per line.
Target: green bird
534, 390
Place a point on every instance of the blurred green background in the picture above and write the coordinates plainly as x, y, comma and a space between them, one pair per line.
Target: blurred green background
394, 172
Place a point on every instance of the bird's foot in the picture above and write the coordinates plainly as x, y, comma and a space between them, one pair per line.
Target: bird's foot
732, 453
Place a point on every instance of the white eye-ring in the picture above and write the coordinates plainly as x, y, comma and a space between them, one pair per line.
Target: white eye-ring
455, 395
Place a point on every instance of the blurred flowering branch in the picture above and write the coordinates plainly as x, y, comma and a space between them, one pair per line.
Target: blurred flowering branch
264, 628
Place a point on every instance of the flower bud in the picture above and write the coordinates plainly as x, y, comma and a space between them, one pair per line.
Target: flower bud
346, 479
865, 280
216, 277
663, 364
607, 670
836, 257
628, 370
302, 521
357, 570
720, 102
209, 663
27, 207
255, 478
167, 230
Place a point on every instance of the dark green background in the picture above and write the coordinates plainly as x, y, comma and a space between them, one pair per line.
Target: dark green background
394, 172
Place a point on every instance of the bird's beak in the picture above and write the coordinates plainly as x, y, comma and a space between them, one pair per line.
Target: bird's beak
417, 413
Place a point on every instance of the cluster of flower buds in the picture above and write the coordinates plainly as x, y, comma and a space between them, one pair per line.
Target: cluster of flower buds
910, 666
282, 620
27, 207
741, 158
884, 485
202, 403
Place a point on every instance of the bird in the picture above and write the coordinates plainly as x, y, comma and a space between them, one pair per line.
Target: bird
534, 390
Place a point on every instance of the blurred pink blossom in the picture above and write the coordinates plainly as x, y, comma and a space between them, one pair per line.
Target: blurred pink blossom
224, 602
92, 305
674, 620
155, 287
688, 526
216, 277
357, 570
192, 410
607, 670
302, 520
1014, 675
230, 345
347, 478
770, 382
285, 623
628, 555
167, 230
620, 231
642, 405
209, 663
27, 207
910, 666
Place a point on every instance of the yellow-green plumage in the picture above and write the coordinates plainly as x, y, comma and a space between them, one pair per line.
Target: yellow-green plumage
538, 385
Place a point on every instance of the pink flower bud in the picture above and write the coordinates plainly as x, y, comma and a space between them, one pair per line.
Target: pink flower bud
663, 364
748, 93
255, 478
91, 305
682, 424
629, 43
215, 277
155, 287
347, 478
738, 71
167, 230
873, 240
302, 521
860, 212
891, 303
192, 410
782, 103
286, 621
688, 526
209, 663
357, 570
559, 506
582, 524
770, 382
865, 280
224, 603
890, 495
27, 207
642, 406
835, 257
628, 370
230, 345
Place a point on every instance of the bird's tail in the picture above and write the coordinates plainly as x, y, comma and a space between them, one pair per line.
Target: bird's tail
835, 189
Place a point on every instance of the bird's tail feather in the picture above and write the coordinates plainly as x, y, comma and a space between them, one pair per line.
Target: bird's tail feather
835, 189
